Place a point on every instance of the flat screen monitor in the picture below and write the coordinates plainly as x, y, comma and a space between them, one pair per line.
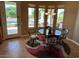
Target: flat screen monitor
58, 32
41, 31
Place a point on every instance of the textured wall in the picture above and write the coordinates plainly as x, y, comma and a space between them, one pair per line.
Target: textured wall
70, 20
1, 30
76, 32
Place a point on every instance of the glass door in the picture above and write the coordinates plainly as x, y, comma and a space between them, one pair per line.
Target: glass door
12, 28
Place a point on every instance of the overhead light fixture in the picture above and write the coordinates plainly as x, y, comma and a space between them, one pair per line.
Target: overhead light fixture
46, 13
53, 14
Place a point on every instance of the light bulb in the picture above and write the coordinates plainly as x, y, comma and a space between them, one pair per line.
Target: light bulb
46, 13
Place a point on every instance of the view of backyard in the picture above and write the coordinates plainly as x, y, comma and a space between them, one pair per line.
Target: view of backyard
11, 18
41, 14
31, 17
41, 17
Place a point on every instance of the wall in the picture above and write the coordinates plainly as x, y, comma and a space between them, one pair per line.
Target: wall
70, 19
1, 30
24, 21
76, 31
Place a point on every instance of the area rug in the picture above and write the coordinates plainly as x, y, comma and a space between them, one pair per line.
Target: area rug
42, 52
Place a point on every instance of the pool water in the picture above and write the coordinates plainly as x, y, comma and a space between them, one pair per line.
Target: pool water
11, 22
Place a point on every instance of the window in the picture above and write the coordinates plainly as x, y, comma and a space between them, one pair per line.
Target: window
60, 16
41, 17
31, 15
50, 17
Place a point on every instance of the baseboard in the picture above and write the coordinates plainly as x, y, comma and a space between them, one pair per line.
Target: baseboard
24, 35
73, 41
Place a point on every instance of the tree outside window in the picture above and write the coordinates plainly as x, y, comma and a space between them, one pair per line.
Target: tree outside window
31, 17
41, 17
60, 16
